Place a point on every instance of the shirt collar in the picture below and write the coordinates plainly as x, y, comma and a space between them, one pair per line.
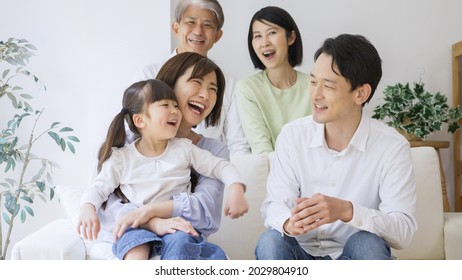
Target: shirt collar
358, 141
318, 139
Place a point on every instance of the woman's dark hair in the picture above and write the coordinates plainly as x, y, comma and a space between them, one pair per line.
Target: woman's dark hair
282, 18
136, 100
356, 58
176, 66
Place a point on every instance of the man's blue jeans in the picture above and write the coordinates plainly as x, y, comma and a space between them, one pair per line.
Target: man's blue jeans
362, 245
183, 246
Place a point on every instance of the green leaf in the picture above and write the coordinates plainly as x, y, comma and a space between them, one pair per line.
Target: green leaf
52, 193
13, 99
29, 210
9, 166
6, 218
23, 216
55, 124
55, 137
64, 129
73, 138
26, 96
5, 73
26, 198
16, 209
63, 144
30, 46
71, 147
40, 185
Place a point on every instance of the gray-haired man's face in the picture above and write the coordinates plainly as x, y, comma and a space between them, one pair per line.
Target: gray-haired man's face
197, 30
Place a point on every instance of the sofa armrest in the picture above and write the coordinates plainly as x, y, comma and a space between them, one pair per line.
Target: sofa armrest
57, 240
453, 236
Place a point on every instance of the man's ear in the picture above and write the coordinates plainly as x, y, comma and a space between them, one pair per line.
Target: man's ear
175, 27
363, 93
218, 35
138, 120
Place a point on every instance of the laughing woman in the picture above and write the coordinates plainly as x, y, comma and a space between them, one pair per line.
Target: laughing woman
278, 94
198, 84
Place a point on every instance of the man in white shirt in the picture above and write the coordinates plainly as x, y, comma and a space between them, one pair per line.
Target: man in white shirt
341, 184
197, 25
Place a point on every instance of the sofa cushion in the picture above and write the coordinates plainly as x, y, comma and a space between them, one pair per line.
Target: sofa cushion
452, 236
238, 237
428, 241
57, 240
69, 197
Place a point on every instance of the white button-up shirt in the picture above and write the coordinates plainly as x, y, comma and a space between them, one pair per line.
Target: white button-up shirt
374, 172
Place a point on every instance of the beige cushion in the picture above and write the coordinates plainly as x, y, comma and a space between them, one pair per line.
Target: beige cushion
428, 241
57, 240
238, 237
69, 197
453, 236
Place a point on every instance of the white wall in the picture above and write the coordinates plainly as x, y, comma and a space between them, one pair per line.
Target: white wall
88, 52
413, 37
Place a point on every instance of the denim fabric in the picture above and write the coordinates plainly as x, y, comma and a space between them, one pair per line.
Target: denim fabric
362, 245
183, 246
134, 237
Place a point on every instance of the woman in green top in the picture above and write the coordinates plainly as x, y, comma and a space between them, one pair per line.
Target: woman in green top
278, 94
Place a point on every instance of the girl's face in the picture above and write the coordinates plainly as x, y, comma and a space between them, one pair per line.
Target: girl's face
271, 44
196, 97
162, 120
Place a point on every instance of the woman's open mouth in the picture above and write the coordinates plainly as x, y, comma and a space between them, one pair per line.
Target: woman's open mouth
196, 107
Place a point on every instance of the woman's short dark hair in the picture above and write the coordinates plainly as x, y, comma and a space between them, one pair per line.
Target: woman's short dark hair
282, 18
356, 58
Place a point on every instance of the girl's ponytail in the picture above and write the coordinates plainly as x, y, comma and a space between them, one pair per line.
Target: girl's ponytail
116, 137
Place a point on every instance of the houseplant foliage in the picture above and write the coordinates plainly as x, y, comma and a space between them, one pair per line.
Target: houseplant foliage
31, 174
415, 111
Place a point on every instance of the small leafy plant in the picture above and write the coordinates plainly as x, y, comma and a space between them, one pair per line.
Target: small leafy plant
31, 181
417, 111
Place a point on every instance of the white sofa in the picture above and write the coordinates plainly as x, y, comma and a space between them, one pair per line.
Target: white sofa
439, 235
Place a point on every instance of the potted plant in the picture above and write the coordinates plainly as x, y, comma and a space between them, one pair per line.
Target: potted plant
32, 180
416, 112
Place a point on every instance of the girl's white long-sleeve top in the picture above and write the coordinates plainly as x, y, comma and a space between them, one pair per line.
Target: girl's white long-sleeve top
148, 179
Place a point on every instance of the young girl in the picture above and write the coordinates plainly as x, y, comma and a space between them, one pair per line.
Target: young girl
278, 94
153, 167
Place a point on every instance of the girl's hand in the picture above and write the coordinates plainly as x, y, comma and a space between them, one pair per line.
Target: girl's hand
236, 204
162, 227
88, 225
133, 219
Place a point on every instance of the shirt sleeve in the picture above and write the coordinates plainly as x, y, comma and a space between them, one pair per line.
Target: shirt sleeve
395, 220
232, 128
203, 207
282, 186
253, 125
105, 182
205, 163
